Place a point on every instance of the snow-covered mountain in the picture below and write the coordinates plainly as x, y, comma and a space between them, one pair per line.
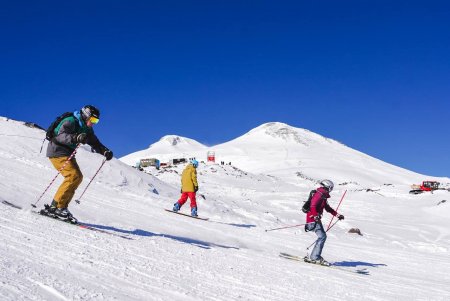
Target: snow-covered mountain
293, 154
151, 254
177, 146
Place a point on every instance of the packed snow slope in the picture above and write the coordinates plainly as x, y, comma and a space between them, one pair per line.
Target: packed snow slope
147, 253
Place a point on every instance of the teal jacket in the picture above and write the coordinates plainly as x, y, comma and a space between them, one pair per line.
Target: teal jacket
64, 141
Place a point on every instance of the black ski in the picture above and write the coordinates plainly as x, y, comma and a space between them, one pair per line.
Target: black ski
11, 204
68, 221
83, 226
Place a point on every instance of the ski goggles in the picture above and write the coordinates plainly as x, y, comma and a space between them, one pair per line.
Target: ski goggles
93, 120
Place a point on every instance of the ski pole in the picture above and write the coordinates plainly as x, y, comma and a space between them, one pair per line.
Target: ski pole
287, 227
78, 201
43, 141
337, 209
325, 232
311, 245
59, 171
333, 225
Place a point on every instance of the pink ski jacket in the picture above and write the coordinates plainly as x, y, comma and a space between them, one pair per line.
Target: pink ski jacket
318, 203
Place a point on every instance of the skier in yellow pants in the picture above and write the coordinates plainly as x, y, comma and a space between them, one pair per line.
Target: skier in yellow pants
66, 134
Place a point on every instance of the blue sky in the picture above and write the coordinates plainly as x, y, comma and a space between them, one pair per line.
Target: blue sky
373, 75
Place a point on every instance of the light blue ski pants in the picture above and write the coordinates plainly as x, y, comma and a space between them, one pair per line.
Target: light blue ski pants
316, 253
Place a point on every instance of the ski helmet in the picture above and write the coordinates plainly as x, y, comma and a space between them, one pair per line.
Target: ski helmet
327, 184
90, 111
194, 163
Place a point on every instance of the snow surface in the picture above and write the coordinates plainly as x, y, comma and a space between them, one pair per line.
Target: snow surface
402, 255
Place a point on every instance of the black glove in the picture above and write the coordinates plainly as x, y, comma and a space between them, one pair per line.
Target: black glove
195, 188
108, 154
181, 190
80, 138
317, 218
340, 217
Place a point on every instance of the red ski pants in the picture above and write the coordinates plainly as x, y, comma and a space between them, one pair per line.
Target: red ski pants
184, 197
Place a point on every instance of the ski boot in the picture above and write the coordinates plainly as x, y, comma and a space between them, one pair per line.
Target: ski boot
319, 261
49, 210
176, 207
72, 219
65, 215
194, 211
62, 213
322, 261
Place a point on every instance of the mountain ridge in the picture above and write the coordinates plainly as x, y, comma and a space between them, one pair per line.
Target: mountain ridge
285, 151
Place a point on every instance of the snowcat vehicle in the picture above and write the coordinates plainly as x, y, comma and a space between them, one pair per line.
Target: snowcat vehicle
426, 186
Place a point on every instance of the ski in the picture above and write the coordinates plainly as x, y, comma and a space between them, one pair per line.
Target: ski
298, 258
331, 266
83, 226
11, 204
188, 215
68, 221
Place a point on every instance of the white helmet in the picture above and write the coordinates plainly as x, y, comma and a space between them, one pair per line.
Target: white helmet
327, 184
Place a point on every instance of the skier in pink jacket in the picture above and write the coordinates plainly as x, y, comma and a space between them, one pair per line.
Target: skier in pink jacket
313, 219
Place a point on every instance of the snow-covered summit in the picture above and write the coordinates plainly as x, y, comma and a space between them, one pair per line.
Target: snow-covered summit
283, 131
178, 142
168, 147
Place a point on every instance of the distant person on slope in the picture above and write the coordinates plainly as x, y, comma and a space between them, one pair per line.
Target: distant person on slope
189, 187
314, 223
70, 132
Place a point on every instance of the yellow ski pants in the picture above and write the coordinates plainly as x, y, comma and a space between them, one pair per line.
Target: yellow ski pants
72, 179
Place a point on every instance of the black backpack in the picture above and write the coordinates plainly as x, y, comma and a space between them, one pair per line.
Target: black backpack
50, 133
307, 205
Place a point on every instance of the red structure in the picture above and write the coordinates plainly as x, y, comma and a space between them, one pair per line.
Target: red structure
429, 185
211, 156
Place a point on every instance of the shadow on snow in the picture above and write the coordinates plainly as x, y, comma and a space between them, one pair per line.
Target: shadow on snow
242, 225
360, 265
139, 232
234, 225
357, 264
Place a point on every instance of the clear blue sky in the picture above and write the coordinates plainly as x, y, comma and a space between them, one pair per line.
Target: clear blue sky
374, 75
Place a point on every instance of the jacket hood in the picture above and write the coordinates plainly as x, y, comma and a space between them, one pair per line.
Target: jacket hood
77, 115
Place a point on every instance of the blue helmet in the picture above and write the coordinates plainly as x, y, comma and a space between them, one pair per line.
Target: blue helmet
194, 162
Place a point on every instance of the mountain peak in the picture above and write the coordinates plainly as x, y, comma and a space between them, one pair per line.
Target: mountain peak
173, 140
177, 142
278, 128
282, 131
